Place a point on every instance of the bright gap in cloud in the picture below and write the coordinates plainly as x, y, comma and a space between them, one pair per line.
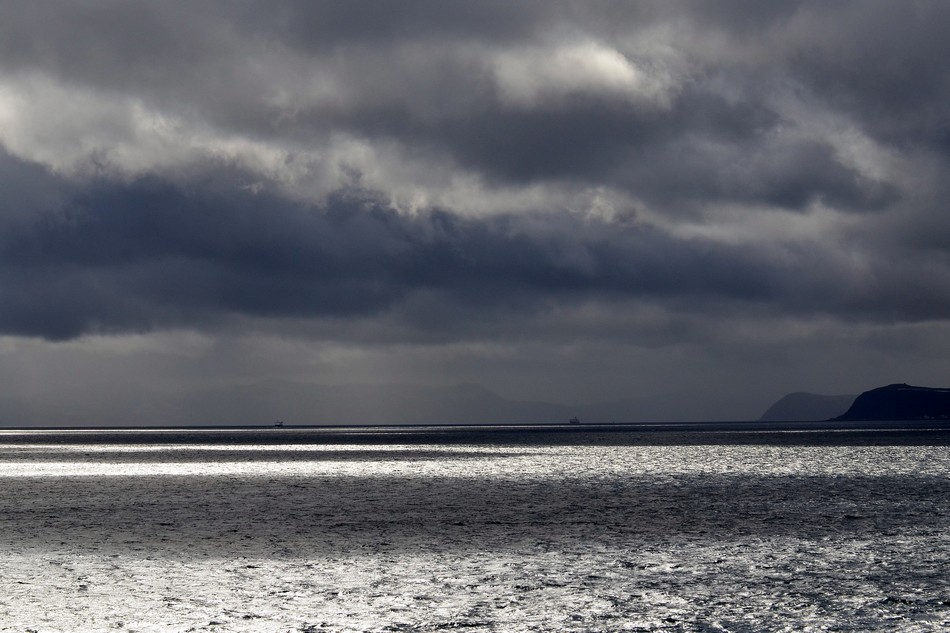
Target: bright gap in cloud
529, 77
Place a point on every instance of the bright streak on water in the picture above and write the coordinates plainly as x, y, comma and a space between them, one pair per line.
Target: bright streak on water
518, 462
434, 537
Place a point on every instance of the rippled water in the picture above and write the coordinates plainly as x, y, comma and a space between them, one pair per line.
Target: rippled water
667, 535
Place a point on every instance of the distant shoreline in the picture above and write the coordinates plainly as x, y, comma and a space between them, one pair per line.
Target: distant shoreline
739, 425
817, 433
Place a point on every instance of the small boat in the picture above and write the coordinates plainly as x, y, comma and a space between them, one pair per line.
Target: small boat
574, 420
279, 424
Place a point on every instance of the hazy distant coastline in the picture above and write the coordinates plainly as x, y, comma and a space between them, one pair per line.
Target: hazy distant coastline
299, 403
296, 404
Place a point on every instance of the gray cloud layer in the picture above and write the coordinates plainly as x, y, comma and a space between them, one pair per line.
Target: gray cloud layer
107, 256
453, 169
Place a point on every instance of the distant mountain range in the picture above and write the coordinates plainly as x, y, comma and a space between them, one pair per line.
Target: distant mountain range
298, 403
892, 402
807, 407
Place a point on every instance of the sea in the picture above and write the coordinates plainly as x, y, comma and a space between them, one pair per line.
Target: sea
691, 527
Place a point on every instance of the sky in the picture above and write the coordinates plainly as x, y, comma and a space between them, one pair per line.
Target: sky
701, 205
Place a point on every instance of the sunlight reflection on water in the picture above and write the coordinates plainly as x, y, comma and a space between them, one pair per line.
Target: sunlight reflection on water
430, 537
461, 461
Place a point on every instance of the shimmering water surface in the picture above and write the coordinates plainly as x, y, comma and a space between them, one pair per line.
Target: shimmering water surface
592, 532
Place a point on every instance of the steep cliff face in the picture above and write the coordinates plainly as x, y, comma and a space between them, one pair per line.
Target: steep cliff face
806, 407
900, 402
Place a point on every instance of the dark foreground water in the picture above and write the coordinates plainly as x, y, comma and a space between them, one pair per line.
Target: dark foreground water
443, 529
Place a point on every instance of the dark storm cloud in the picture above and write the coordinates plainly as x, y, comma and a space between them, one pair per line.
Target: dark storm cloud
664, 157
119, 257
884, 63
790, 175
223, 61
421, 74
745, 103
318, 25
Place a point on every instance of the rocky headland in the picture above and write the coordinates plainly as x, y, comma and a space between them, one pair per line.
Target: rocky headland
900, 402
